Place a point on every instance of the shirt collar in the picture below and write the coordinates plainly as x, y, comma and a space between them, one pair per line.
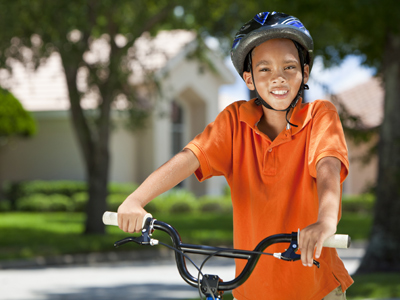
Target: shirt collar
251, 113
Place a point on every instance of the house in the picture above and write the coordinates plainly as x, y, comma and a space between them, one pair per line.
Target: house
365, 101
188, 102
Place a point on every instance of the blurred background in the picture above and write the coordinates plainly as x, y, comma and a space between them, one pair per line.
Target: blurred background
95, 95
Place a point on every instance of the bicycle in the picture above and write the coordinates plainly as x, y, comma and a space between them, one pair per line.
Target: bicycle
209, 285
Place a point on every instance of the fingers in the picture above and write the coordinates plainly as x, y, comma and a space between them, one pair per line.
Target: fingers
130, 219
129, 222
312, 238
308, 244
318, 248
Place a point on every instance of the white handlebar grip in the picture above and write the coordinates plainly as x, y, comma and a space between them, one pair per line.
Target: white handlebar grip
146, 216
111, 218
338, 241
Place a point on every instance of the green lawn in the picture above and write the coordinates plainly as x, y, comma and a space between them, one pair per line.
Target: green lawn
26, 235
375, 286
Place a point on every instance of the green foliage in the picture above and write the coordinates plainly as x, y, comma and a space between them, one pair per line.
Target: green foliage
356, 225
38, 195
14, 119
375, 286
45, 203
122, 188
363, 204
5, 205
80, 201
216, 204
114, 201
15, 190
173, 202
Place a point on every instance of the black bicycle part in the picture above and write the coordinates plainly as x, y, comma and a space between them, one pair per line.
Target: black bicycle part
288, 255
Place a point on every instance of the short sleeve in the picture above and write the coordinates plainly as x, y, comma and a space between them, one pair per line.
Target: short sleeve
327, 139
213, 147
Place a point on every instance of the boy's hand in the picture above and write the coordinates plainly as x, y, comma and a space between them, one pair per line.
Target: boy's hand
312, 238
130, 216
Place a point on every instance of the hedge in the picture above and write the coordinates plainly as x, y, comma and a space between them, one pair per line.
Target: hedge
73, 196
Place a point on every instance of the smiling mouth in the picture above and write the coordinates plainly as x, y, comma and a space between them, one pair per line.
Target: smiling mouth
280, 92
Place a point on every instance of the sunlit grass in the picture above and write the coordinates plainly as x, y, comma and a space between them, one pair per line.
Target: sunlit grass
375, 286
26, 235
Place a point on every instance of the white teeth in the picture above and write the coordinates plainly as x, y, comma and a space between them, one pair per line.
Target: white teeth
280, 92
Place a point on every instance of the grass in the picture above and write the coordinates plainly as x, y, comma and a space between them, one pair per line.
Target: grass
27, 235
375, 286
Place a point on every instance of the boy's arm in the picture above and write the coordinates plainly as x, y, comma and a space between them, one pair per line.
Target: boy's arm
178, 168
328, 187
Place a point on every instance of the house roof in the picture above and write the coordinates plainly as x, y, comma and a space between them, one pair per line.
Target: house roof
365, 101
45, 89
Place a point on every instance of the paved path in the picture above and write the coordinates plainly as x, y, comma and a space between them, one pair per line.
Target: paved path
154, 280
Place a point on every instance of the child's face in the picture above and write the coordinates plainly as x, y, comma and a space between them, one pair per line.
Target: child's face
277, 72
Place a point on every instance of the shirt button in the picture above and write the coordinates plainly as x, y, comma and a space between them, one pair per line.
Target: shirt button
270, 150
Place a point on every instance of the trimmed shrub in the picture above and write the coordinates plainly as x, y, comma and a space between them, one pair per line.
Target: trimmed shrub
45, 203
64, 187
15, 190
122, 188
358, 204
80, 201
176, 201
215, 204
114, 201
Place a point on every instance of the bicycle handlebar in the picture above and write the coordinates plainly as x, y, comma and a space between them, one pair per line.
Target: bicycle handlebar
150, 224
335, 241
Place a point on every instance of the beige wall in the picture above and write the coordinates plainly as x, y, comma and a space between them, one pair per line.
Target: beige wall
51, 154
362, 176
54, 154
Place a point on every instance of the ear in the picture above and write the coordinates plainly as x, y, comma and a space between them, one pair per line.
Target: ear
248, 80
306, 73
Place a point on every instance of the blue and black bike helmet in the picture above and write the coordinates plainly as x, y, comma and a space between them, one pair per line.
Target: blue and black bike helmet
267, 26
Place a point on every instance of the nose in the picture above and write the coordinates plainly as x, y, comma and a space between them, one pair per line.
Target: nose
278, 77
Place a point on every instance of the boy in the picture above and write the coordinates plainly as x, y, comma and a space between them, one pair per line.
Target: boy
284, 162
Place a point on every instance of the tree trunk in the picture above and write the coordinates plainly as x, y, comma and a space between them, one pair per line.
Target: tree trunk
97, 172
382, 254
93, 141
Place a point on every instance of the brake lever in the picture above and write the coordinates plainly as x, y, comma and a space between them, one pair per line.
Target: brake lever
144, 239
290, 253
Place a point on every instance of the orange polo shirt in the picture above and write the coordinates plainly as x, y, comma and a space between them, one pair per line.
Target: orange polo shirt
274, 190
